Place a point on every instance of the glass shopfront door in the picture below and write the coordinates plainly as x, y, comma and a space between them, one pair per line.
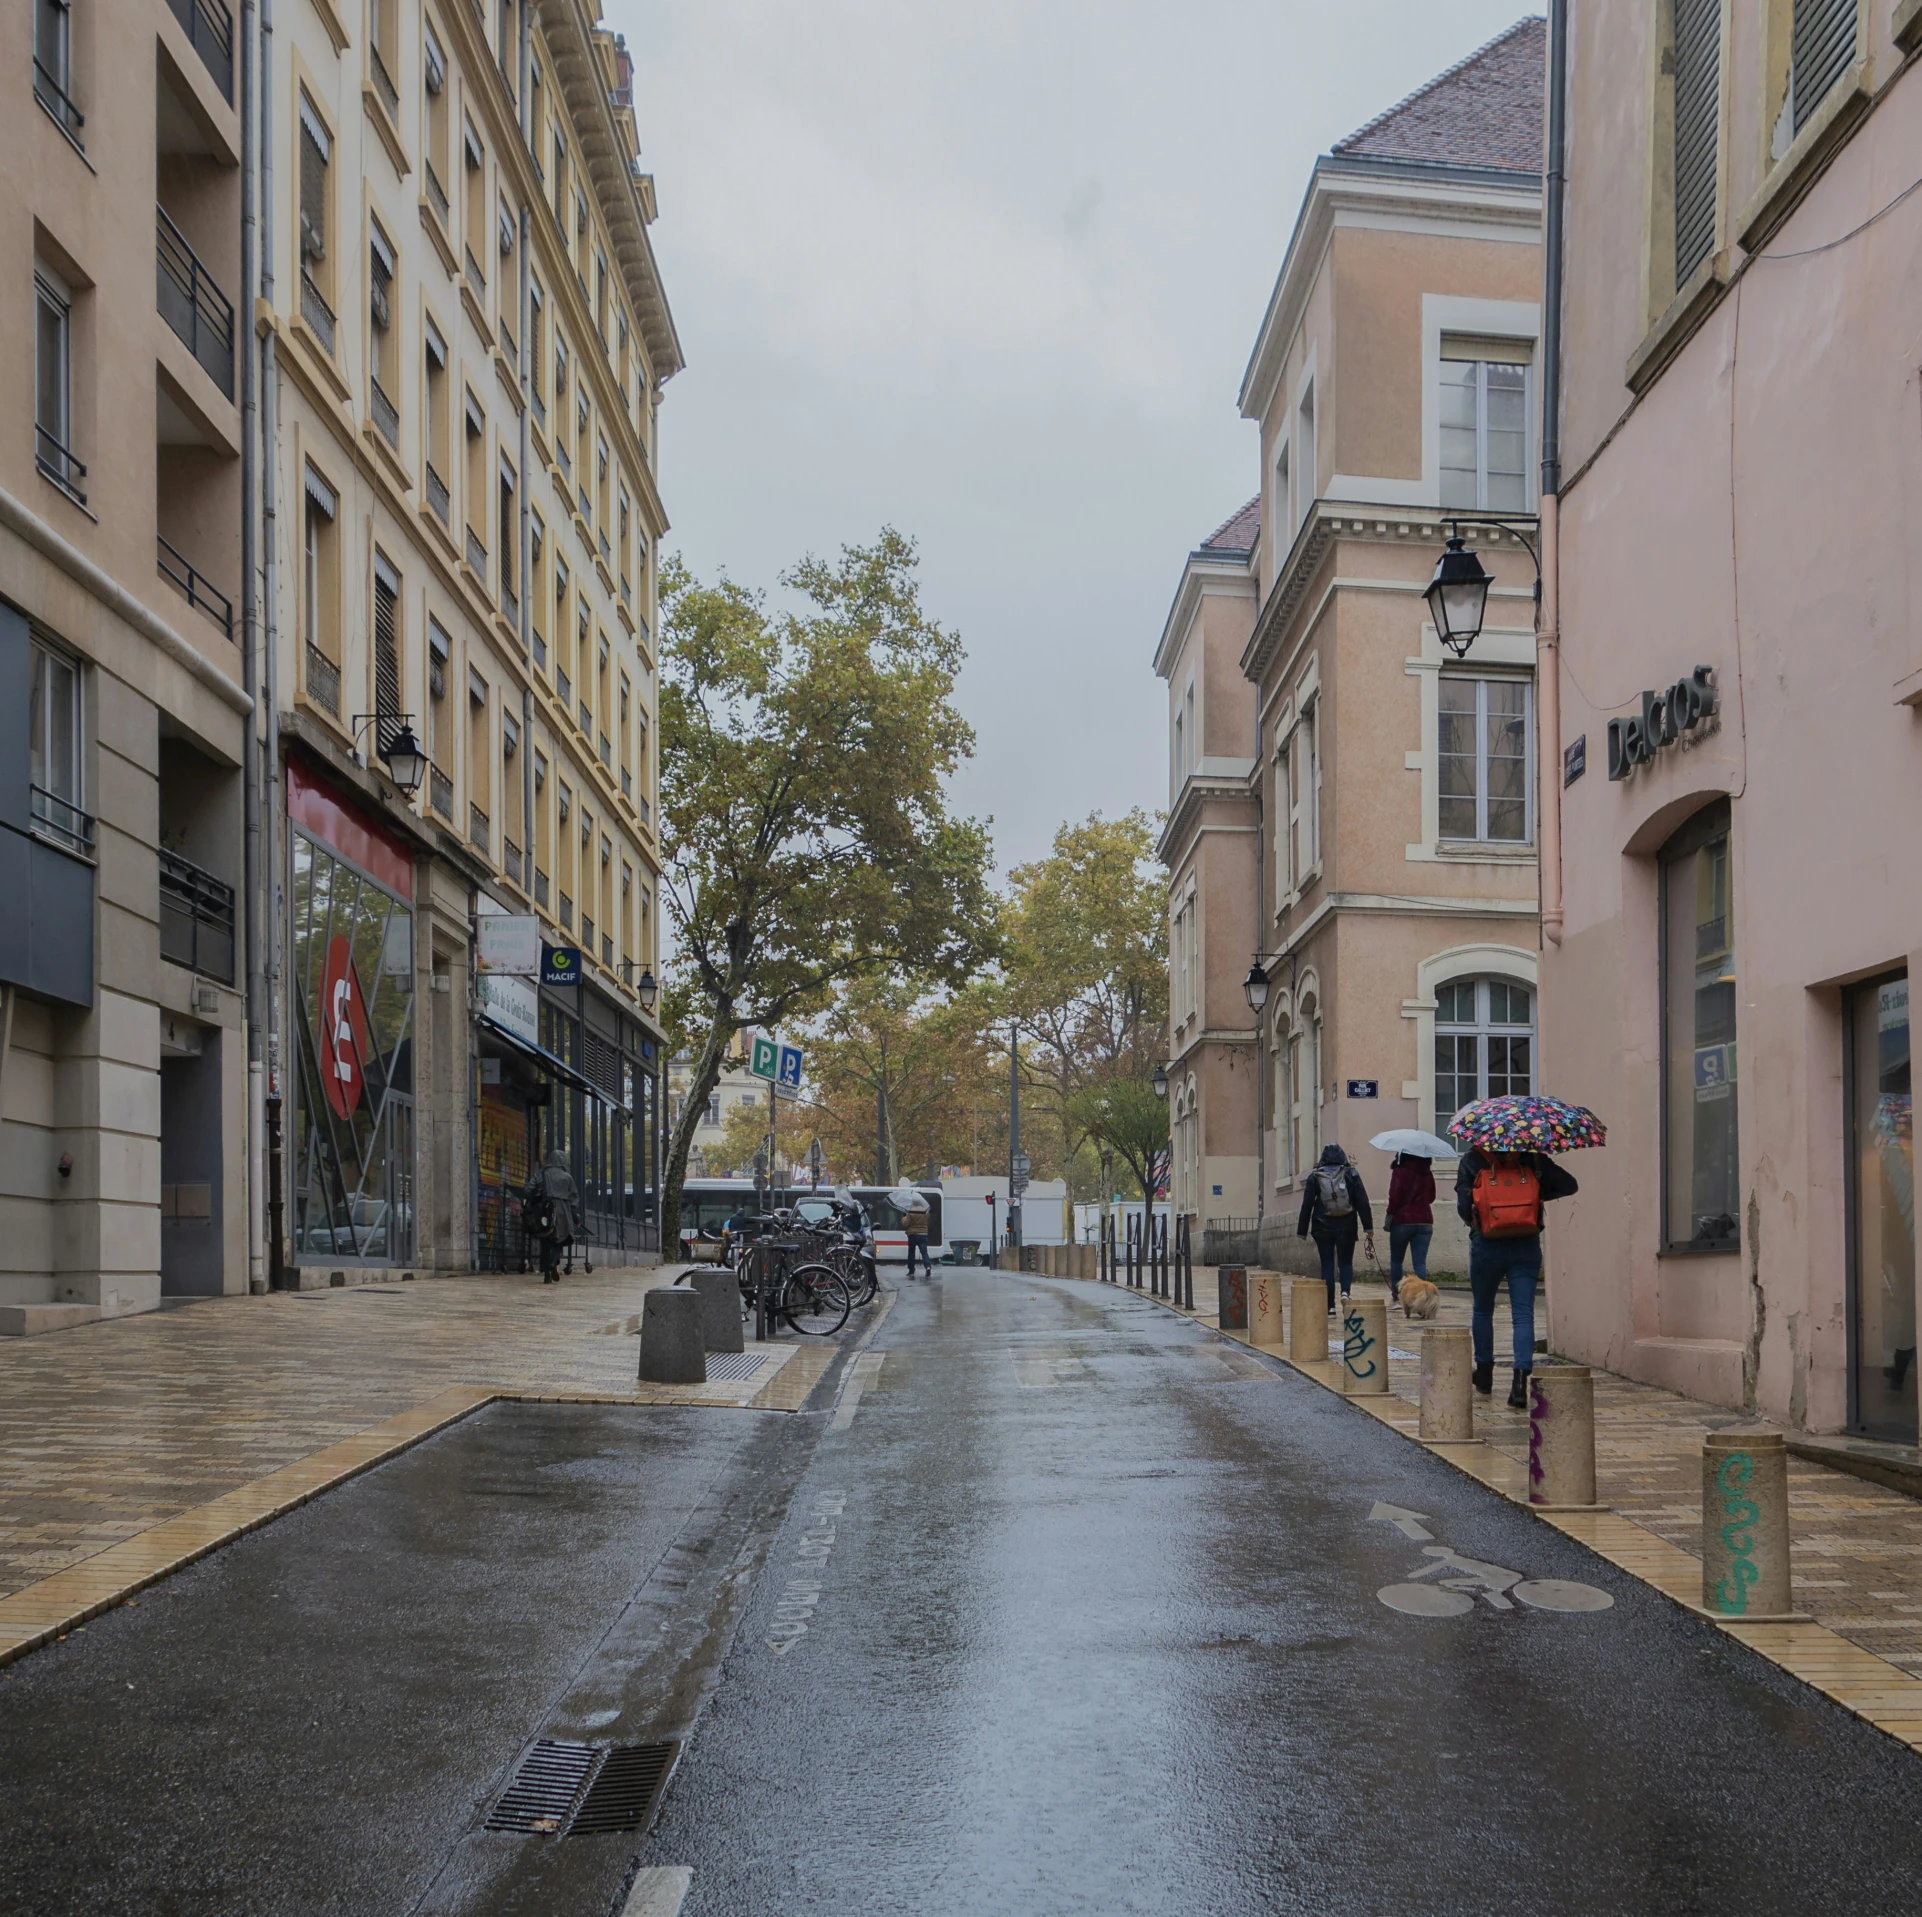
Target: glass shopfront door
1881, 1166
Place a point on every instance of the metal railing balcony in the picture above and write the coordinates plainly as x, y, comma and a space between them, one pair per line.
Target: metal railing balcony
59, 464
587, 504
566, 464
438, 496
607, 950
55, 98
567, 913
61, 820
607, 752
511, 859
587, 932
540, 886
563, 687
209, 28
510, 605
323, 680
178, 571
386, 414
315, 310
436, 193
197, 310
440, 794
476, 553
475, 277
477, 826
196, 918
383, 80
607, 552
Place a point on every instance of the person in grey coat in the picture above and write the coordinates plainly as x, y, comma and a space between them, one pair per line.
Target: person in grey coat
554, 1184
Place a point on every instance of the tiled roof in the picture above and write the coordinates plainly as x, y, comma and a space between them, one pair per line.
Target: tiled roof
1238, 533
1485, 111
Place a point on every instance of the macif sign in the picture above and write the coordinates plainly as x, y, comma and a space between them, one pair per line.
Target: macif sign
1666, 719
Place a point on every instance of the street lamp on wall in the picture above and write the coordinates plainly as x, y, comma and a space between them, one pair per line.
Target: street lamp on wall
647, 991
1160, 1081
1458, 596
395, 747
1255, 987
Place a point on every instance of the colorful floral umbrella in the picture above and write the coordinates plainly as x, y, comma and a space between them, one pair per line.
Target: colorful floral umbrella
1526, 1124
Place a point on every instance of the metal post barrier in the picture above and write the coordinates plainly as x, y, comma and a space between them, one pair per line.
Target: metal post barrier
1447, 1402
1308, 1322
757, 1270
1561, 1437
1364, 1353
1745, 1525
1188, 1263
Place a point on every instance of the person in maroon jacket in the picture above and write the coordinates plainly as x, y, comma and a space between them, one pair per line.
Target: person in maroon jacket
1411, 1216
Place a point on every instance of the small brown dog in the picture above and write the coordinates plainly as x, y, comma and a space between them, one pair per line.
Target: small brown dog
1420, 1299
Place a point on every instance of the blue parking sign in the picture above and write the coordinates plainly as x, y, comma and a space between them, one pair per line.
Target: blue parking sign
790, 1073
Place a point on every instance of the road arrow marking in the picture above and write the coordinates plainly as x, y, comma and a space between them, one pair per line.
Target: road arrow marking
1408, 1523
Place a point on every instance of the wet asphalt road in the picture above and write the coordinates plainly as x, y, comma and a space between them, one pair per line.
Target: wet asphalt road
1068, 1607
1096, 1631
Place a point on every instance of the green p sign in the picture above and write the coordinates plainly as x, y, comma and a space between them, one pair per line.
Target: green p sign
765, 1058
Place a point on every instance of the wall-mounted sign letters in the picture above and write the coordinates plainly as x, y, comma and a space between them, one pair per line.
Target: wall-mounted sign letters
1364, 1088
1666, 718
1575, 760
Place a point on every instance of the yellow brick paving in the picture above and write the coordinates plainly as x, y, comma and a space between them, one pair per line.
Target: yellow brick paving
132, 1447
1855, 1548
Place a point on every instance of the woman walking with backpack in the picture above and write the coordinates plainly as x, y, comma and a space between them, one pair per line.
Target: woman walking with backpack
1500, 1197
1334, 1205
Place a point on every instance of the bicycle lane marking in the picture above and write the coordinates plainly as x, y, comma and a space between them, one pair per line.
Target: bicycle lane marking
801, 1594
862, 1373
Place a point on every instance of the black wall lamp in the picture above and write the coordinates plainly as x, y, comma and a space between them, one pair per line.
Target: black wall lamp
395, 747
1458, 594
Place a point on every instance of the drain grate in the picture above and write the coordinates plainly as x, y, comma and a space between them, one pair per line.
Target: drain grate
564, 1789
733, 1364
544, 1791
622, 1795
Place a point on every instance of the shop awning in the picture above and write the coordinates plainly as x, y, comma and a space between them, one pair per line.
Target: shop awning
559, 1067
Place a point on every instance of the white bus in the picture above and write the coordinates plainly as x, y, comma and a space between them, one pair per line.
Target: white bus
708, 1203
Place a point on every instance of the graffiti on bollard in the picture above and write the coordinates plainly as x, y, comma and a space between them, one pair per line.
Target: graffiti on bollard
1740, 1514
1357, 1346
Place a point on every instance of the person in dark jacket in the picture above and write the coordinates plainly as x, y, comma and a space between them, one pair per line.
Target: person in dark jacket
1332, 1220
1518, 1260
554, 1185
1411, 1216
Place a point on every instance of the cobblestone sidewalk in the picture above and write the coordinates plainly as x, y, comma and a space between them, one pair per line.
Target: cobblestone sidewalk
111, 1429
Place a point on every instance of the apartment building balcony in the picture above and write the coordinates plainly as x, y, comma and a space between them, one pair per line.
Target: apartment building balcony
386, 414
567, 913
201, 315
440, 793
203, 596
61, 821
383, 81
607, 752
438, 497
510, 605
476, 554
563, 689
436, 193
477, 827
323, 680
587, 933
196, 918
511, 859
315, 310
540, 887
209, 27
58, 463
52, 95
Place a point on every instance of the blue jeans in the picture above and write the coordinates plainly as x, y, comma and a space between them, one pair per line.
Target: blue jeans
1413, 1241
918, 1241
1490, 1260
1337, 1251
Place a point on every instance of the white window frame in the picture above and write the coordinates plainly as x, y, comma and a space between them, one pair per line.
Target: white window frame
1481, 682
1482, 1028
50, 662
1524, 358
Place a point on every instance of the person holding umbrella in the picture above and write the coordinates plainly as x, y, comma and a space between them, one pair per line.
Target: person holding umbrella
1335, 1201
1504, 1179
1411, 1199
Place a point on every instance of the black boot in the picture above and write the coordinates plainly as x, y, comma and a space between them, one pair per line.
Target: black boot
1485, 1379
1518, 1391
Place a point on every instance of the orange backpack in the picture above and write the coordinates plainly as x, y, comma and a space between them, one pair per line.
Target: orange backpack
1508, 1199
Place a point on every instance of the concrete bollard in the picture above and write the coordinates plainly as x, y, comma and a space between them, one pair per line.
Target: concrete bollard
1364, 1355
1447, 1403
1745, 1524
1231, 1297
672, 1351
1308, 1322
1561, 1437
720, 1296
1264, 1308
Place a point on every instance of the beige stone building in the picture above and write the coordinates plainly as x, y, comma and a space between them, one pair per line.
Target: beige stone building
123, 699
1379, 793
1734, 924
469, 340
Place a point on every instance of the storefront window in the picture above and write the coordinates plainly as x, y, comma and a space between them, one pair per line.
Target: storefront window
1701, 1201
352, 950
1882, 1210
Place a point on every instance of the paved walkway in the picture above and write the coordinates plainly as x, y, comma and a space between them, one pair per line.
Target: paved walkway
111, 1429
1856, 1548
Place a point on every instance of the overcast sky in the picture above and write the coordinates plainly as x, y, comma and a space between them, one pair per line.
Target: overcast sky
990, 274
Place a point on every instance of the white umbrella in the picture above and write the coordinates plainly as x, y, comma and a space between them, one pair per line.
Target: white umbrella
1416, 1143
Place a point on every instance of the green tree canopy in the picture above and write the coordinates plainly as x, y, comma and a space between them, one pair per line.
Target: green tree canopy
805, 826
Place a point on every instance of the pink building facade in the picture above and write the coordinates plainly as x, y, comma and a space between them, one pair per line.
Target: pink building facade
1738, 907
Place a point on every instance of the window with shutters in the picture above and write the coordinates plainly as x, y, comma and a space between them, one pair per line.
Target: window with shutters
1485, 755
536, 349
508, 528
440, 723
1283, 828
1817, 49
475, 477
1304, 795
1484, 424
436, 121
1306, 472
383, 334
479, 761
315, 224
474, 172
564, 855
387, 674
320, 593
513, 799
1697, 108
537, 588
434, 383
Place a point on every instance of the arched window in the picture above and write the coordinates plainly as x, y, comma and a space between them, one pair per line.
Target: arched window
1484, 1043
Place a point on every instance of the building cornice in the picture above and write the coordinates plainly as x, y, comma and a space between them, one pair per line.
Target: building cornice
1184, 822
1229, 573
1496, 198
1327, 521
